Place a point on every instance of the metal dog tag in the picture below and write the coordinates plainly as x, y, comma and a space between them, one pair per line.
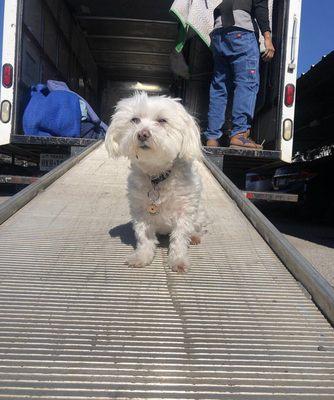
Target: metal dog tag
153, 209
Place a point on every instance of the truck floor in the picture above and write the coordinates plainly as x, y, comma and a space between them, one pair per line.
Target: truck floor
76, 323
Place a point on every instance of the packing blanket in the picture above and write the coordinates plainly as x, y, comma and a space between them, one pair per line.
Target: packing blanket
198, 15
55, 110
52, 113
195, 14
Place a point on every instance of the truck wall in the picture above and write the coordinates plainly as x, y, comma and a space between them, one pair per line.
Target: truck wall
53, 46
113, 91
134, 43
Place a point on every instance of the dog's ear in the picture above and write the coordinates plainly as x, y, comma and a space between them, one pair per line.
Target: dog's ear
191, 147
118, 124
111, 141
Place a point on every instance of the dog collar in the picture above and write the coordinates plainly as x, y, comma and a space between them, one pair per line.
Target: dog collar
155, 180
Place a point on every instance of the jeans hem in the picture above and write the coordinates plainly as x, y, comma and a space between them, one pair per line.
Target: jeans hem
212, 136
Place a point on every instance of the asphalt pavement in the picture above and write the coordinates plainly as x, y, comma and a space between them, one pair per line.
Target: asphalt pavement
314, 240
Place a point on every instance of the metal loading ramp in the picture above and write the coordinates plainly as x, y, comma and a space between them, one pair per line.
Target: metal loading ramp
76, 323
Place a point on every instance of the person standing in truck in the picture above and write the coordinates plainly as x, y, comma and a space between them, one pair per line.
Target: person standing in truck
236, 56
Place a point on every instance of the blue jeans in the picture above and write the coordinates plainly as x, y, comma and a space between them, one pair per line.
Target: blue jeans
236, 72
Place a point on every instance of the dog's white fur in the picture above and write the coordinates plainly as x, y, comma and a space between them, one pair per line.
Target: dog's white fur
174, 145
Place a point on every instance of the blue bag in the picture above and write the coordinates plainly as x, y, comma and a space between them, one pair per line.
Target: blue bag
52, 113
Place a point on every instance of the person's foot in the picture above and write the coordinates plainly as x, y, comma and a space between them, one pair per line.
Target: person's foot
212, 143
242, 140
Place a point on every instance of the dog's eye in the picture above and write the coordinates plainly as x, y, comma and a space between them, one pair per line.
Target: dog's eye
162, 121
135, 120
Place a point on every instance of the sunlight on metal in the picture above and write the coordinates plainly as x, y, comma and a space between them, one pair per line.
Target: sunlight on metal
147, 87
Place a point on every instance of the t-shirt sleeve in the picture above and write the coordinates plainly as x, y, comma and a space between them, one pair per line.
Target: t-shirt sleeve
261, 14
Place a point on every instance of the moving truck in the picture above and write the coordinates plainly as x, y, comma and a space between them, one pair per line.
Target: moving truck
104, 50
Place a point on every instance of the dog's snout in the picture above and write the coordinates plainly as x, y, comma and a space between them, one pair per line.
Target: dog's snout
144, 135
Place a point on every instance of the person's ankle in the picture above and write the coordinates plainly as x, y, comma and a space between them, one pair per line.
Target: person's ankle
212, 143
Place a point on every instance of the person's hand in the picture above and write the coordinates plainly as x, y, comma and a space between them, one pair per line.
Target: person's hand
270, 49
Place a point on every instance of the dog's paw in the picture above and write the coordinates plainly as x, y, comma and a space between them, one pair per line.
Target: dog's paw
138, 260
195, 240
180, 266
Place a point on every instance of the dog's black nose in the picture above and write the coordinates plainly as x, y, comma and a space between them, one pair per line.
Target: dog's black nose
144, 135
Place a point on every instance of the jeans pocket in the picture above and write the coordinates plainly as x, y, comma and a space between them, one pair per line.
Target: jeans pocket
252, 66
239, 41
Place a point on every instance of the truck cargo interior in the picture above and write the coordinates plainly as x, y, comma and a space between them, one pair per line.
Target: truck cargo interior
104, 50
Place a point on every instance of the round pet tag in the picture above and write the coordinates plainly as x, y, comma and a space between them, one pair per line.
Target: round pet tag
153, 209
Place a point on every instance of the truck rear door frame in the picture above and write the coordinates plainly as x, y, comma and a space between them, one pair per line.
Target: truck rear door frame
9, 57
289, 75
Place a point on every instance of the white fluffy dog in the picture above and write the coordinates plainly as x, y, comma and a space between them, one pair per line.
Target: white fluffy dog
162, 142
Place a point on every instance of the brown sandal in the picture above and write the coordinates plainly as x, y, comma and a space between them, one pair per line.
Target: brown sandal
243, 141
